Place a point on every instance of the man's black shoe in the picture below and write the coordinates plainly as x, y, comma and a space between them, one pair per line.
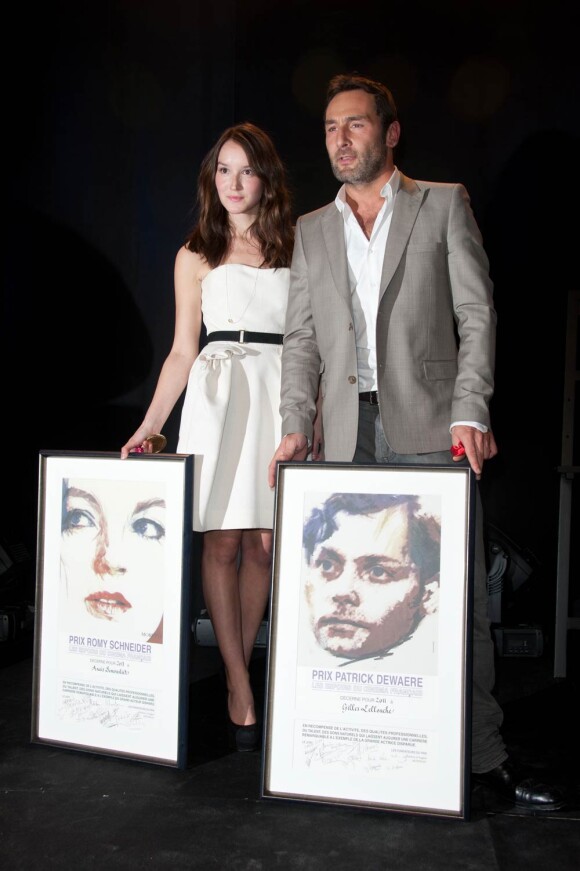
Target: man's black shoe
525, 792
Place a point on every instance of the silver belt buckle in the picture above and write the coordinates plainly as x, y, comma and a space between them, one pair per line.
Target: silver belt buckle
242, 334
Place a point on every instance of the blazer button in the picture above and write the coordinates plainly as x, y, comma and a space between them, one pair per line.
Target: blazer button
352, 379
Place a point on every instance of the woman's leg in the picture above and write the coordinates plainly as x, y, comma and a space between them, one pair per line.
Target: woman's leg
219, 570
236, 600
254, 579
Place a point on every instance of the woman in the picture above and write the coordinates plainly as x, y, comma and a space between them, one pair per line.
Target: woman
232, 272
112, 558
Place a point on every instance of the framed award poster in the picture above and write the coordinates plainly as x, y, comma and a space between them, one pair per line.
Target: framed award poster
112, 623
368, 698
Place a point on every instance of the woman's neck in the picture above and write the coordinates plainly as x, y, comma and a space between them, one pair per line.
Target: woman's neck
244, 248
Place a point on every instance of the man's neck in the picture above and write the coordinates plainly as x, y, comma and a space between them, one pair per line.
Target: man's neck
366, 201
365, 196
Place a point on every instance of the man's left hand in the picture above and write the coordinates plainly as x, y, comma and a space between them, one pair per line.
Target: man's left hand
479, 446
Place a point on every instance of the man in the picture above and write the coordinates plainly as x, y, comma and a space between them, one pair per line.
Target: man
391, 306
373, 573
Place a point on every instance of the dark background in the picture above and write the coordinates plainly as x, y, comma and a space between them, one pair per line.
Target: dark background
109, 108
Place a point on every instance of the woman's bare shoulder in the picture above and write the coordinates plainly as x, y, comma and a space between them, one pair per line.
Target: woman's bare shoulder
192, 264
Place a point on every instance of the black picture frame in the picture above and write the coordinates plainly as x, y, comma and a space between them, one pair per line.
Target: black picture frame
388, 729
112, 611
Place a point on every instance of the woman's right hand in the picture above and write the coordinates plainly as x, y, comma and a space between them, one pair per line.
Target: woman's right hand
137, 444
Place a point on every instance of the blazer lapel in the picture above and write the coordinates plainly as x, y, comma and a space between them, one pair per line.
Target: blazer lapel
333, 232
407, 204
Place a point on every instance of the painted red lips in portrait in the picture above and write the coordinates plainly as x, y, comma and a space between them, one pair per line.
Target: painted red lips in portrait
107, 606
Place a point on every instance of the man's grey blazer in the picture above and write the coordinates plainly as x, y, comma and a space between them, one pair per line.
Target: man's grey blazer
435, 325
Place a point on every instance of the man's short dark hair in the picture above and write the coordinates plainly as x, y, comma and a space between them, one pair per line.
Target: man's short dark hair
424, 534
384, 100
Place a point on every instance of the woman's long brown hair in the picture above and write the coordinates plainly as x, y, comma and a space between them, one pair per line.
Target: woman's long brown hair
273, 231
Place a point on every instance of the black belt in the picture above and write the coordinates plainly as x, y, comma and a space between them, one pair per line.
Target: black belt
244, 336
371, 396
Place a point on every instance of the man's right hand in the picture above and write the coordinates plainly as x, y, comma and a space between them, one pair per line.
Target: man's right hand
294, 446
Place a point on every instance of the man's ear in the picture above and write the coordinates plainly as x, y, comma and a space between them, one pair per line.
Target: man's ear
430, 600
393, 134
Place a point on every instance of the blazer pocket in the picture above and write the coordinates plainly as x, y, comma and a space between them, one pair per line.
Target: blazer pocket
440, 370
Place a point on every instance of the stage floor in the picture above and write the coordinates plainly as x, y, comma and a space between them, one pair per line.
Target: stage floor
62, 808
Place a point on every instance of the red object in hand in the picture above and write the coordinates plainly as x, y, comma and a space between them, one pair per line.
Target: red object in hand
457, 450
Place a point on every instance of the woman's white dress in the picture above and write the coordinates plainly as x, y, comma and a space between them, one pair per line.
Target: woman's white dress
230, 420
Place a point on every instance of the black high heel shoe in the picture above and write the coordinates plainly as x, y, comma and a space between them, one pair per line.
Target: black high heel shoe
243, 738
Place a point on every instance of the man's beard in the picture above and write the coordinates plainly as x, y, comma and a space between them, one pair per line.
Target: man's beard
370, 165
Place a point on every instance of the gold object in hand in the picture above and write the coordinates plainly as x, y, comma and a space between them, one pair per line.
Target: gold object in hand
157, 442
